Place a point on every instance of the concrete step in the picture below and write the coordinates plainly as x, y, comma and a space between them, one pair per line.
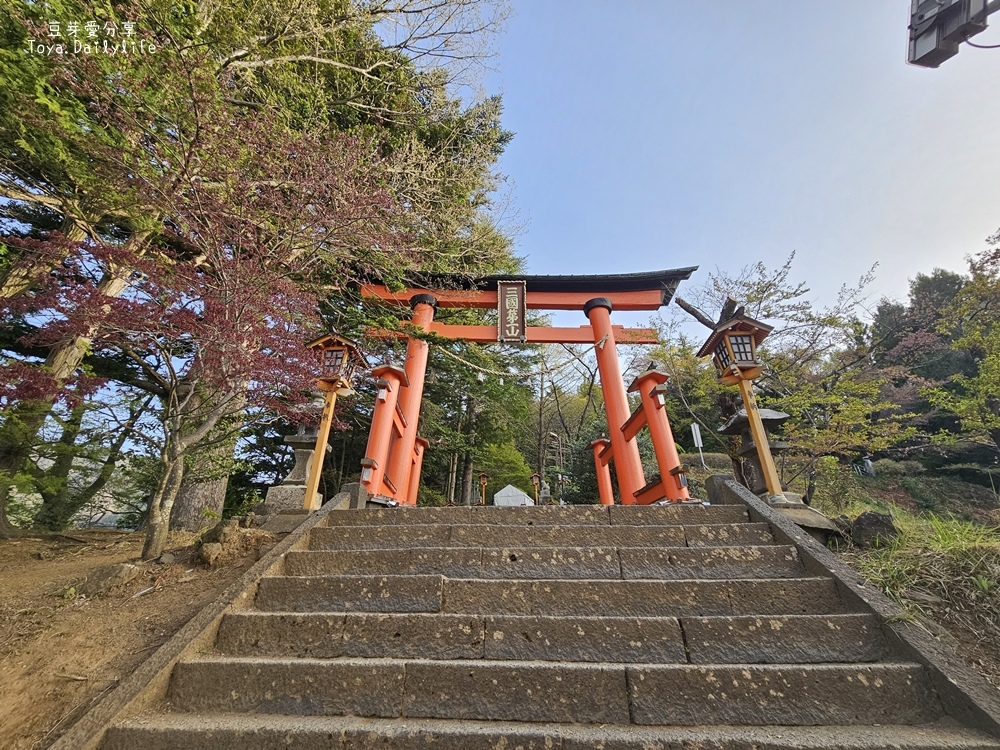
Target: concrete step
651, 694
492, 536
630, 598
545, 515
554, 562
266, 732
708, 640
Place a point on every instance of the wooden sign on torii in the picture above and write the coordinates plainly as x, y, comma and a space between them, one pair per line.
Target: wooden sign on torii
394, 456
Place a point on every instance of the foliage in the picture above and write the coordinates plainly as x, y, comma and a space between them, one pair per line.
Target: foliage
943, 566
974, 314
134, 150
819, 368
693, 392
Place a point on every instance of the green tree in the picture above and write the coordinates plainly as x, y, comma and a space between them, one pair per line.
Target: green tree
69, 130
975, 314
819, 361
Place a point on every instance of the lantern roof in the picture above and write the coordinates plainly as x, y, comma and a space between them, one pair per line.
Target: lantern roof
330, 340
736, 324
739, 422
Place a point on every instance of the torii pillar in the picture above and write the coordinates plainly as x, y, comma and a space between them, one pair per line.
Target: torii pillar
391, 381
625, 452
401, 462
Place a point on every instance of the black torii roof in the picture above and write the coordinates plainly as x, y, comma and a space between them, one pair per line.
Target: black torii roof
666, 280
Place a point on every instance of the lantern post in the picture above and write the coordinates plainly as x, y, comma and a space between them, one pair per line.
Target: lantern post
483, 480
733, 348
536, 480
339, 360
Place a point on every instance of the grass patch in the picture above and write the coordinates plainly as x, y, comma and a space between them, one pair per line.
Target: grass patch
943, 567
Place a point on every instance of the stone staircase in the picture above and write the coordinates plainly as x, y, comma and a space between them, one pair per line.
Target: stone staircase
581, 628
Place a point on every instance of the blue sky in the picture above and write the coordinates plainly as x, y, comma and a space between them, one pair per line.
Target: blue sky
657, 134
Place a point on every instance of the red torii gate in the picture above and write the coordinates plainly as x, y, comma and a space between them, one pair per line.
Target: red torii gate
394, 456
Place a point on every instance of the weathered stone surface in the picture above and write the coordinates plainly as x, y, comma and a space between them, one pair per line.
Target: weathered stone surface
586, 655
167, 558
350, 593
209, 553
788, 639
106, 578
585, 639
543, 515
667, 515
318, 636
399, 516
451, 561
285, 497
793, 695
588, 515
379, 537
223, 531
611, 536
631, 598
710, 562
290, 686
284, 523
723, 535
796, 596
414, 636
551, 562
516, 692
584, 597
231, 732
487, 535
872, 529
487, 597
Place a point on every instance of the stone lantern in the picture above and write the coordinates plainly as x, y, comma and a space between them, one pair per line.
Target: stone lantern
739, 425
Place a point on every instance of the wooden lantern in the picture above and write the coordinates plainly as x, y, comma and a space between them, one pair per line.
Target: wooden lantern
340, 359
733, 348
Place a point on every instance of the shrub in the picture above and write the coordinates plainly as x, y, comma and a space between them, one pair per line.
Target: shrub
887, 467
715, 461
428, 497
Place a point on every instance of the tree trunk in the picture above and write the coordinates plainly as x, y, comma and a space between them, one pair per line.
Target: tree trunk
7, 529
58, 507
467, 479
199, 504
16, 439
203, 494
470, 428
452, 478
20, 276
158, 526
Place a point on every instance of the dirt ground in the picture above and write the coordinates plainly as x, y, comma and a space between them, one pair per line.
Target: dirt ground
60, 653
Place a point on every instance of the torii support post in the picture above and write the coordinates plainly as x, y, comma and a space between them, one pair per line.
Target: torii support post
390, 381
604, 489
419, 448
626, 452
401, 462
649, 386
